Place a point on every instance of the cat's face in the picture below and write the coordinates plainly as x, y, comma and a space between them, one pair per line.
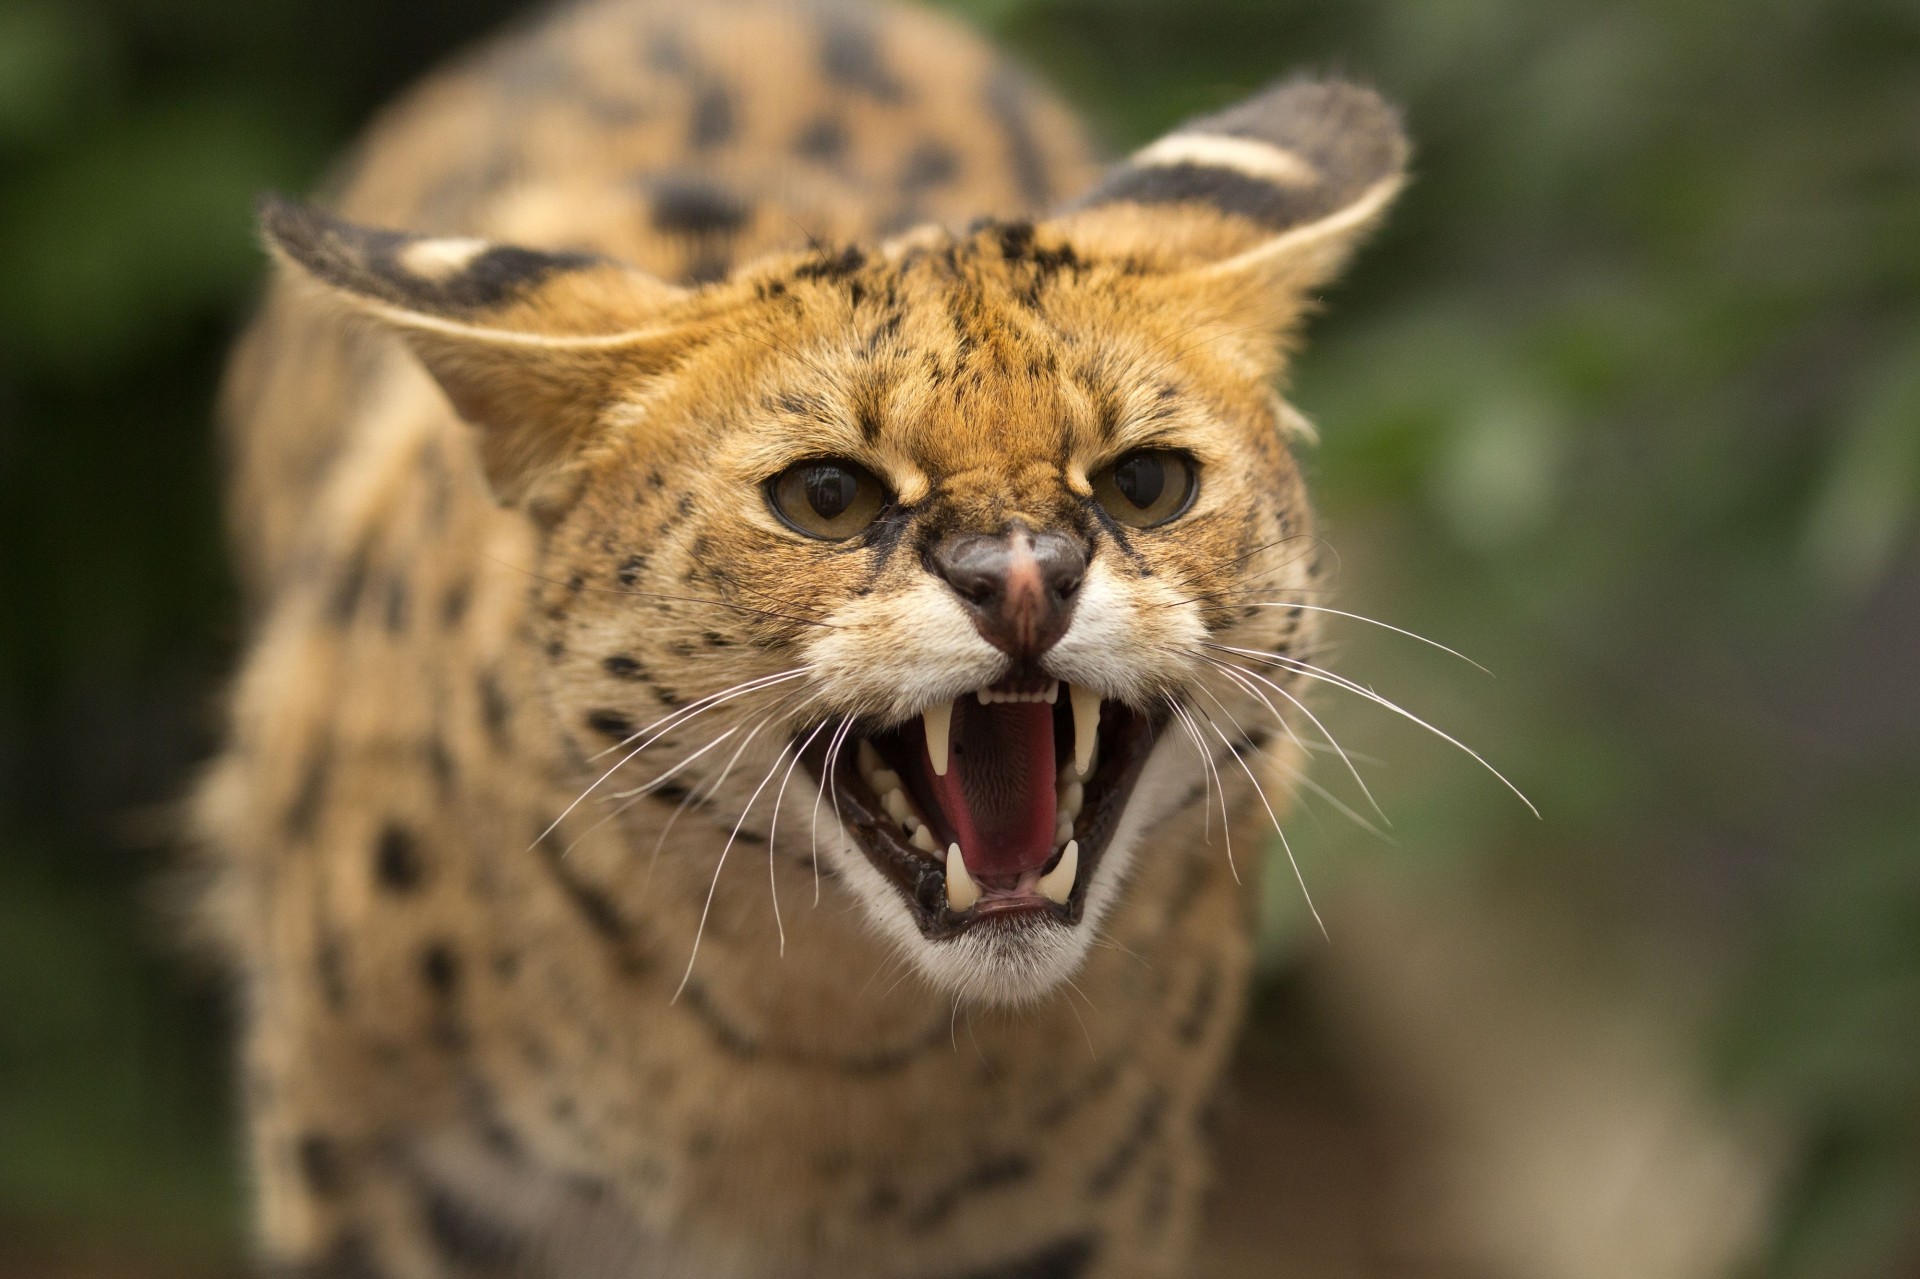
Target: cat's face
935, 549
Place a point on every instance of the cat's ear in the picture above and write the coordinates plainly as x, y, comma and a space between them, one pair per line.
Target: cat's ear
529, 346
1249, 210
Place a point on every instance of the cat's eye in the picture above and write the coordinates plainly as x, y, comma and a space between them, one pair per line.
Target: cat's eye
829, 498
1147, 487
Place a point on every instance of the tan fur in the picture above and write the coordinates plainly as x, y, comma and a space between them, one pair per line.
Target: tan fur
478, 1037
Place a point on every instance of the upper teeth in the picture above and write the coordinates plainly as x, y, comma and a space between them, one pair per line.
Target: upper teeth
1086, 726
937, 720
1049, 695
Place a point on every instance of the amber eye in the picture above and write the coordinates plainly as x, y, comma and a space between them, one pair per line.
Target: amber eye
828, 498
1147, 487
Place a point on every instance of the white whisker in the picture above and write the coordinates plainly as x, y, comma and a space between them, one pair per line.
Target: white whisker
796, 673
1373, 621
1360, 690
773, 827
1272, 816
1325, 732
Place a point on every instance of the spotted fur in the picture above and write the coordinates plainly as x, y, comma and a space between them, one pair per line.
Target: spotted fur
501, 435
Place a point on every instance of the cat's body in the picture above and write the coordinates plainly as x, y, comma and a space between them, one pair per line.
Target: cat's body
479, 1036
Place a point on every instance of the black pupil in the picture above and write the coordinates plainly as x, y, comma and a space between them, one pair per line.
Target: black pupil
1140, 479
830, 490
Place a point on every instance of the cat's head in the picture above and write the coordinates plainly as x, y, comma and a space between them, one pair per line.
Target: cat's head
966, 523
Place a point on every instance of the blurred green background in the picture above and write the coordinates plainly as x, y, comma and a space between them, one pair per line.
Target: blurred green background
1625, 403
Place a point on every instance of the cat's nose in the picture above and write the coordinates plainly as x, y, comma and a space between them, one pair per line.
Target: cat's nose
1019, 585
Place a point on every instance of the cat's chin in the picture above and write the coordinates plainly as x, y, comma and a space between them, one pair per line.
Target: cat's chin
989, 820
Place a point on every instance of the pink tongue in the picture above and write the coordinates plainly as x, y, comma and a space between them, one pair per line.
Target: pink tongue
998, 793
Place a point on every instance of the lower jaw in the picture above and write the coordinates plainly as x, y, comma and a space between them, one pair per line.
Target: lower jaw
920, 876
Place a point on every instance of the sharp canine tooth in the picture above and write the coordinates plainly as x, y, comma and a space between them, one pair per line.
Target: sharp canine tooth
923, 840
962, 892
1057, 884
1053, 692
1086, 726
937, 720
869, 759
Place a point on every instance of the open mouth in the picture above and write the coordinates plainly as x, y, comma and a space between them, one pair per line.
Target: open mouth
995, 808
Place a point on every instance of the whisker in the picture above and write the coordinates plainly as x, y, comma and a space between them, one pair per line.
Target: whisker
1086, 1034
713, 886
1360, 690
773, 828
679, 716
827, 770
1226, 821
629, 758
1206, 780
1373, 621
1272, 816
1299, 775
1324, 732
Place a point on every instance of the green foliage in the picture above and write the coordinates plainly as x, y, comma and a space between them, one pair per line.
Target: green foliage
1625, 403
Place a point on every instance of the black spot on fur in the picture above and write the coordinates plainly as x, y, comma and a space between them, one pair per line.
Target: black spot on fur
1206, 998
712, 123
611, 724
834, 266
397, 604
304, 810
440, 969
850, 57
996, 1172
631, 570
321, 1167
599, 913
1106, 1178
824, 140
396, 859
453, 606
348, 588
620, 666
695, 206
495, 711
1068, 1259
470, 1239
930, 164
